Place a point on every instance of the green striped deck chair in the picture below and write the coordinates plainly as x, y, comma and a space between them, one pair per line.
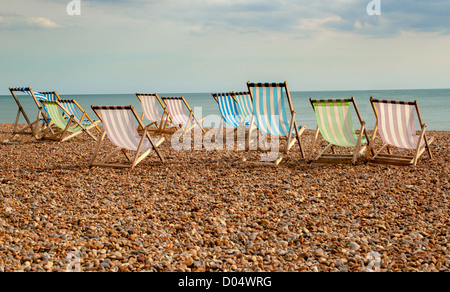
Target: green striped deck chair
274, 114
66, 128
34, 128
43, 96
334, 123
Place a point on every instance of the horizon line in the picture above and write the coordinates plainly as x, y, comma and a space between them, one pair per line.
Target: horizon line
207, 92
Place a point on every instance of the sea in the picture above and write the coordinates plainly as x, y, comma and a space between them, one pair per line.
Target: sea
434, 105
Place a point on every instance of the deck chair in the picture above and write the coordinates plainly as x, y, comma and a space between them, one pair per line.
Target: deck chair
177, 114
66, 124
229, 110
335, 125
150, 111
274, 114
119, 125
34, 128
396, 127
74, 108
245, 105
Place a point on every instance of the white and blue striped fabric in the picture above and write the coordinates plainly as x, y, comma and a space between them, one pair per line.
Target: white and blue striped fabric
244, 104
228, 109
269, 107
48, 96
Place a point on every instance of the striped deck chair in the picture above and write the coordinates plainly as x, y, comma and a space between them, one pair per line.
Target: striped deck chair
46, 96
396, 127
34, 128
178, 116
150, 110
79, 113
245, 105
228, 109
274, 114
66, 128
335, 124
119, 125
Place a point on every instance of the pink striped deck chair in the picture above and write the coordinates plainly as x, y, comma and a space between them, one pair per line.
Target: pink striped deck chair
178, 116
119, 126
396, 127
150, 110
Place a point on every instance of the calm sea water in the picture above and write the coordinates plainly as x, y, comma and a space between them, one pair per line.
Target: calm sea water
434, 104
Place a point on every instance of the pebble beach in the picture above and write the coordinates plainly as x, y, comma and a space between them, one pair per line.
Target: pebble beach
205, 211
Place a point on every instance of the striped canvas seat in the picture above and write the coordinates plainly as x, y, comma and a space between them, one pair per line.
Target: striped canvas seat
45, 96
244, 104
228, 109
335, 124
274, 114
119, 125
68, 127
150, 107
396, 124
270, 109
396, 127
178, 116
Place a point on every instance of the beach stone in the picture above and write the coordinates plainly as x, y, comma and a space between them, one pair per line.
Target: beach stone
201, 211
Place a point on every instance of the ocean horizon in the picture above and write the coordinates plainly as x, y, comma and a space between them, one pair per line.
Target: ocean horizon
434, 104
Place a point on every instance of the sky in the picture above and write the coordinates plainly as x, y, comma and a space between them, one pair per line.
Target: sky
171, 46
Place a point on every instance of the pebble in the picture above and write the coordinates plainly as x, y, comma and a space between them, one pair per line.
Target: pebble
205, 211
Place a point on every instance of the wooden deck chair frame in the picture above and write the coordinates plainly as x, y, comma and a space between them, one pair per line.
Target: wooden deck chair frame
294, 132
105, 162
390, 157
334, 158
191, 117
164, 121
65, 128
34, 128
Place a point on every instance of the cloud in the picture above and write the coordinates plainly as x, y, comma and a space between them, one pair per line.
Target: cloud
304, 17
42, 22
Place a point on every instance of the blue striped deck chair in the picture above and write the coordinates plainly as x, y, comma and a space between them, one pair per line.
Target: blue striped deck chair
245, 105
73, 108
65, 128
34, 128
228, 109
335, 125
274, 114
